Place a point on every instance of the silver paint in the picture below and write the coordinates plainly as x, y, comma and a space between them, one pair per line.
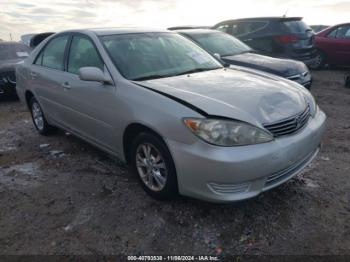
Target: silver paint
100, 113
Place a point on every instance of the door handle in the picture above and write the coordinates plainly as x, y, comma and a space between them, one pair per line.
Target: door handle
66, 85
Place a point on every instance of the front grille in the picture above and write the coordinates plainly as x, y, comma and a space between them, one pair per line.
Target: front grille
290, 125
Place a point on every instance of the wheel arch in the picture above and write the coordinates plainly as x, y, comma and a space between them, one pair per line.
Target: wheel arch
324, 53
130, 132
324, 56
28, 96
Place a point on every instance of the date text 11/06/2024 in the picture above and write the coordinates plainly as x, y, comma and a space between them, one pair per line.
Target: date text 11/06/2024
173, 258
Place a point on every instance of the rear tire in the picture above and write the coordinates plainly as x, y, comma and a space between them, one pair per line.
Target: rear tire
320, 61
38, 117
154, 166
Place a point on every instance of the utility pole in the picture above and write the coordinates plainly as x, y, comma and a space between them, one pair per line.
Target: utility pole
11, 36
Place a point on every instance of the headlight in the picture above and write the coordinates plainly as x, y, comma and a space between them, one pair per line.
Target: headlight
227, 133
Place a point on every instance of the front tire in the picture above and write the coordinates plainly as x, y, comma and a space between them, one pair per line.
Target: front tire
39, 120
320, 61
154, 166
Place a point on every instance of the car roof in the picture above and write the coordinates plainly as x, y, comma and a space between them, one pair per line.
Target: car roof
117, 30
184, 27
346, 24
270, 18
330, 28
197, 31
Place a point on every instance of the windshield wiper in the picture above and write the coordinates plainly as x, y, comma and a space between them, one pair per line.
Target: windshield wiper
239, 53
226, 55
150, 77
247, 51
197, 70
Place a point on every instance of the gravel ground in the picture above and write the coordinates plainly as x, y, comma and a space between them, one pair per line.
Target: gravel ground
59, 195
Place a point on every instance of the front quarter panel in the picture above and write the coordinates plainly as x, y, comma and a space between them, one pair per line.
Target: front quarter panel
138, 105
22, 80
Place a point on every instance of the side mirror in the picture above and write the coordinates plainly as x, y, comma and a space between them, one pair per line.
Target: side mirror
93, 74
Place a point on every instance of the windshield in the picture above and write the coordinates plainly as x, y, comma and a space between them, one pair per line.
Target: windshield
13, 51
220, 43
154, 55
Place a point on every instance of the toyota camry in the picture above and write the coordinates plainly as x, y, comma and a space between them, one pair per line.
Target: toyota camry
186, 124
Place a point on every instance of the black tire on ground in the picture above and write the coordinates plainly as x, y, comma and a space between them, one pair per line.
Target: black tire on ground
320, 61
170, 189
43, 127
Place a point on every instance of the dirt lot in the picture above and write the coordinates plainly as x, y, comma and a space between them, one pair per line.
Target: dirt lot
58, 195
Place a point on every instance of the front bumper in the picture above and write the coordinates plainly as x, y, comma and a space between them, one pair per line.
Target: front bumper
224, 174
307, 56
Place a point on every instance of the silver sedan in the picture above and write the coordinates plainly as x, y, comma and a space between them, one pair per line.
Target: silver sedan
162, 104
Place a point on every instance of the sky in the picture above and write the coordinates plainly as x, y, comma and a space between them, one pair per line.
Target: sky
18, 17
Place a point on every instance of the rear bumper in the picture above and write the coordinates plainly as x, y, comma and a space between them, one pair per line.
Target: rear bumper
308, 61
308, 58
225, 174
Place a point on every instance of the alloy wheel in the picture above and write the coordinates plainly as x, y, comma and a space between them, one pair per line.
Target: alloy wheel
318, 60
151, 167
38, 116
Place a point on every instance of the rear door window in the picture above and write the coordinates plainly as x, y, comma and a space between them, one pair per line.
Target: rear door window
53, 55
231, 28
333, 34
341, 32
347, 33
224, 28
250, 27
83, 54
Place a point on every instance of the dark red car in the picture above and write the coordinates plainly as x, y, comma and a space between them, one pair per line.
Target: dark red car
333, 46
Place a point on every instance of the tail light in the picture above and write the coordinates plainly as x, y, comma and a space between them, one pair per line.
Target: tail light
286, 39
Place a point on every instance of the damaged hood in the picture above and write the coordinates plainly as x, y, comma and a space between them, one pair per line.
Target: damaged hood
255, 98
281, 67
